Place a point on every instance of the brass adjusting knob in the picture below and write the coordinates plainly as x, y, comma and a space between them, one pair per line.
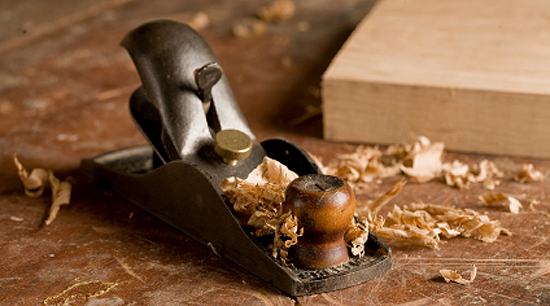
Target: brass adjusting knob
233, 146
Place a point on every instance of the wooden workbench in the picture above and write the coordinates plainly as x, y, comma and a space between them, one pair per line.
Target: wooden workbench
64, 87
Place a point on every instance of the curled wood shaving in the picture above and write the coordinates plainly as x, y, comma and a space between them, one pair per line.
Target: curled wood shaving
491, 199
36, 182
370, 208
424, 158
356, 236
488, 174
529, 174
453, 276
460, 175
288, 228
277, 11
456, 174
258, 201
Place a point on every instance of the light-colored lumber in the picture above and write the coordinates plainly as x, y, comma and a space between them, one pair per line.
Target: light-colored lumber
474, 74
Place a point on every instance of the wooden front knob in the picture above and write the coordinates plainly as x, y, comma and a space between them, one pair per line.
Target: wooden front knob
324, 206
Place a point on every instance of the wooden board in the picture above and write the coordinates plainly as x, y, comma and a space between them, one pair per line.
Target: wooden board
474, 74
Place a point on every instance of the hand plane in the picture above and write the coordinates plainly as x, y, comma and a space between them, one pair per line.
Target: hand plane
198, 137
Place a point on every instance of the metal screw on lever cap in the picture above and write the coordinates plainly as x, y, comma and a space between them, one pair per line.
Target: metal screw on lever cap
232, 146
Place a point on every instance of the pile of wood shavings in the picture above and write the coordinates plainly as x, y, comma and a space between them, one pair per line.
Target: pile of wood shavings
259, 197
419, 223
36, 182
258, 201
420, 161
425, 224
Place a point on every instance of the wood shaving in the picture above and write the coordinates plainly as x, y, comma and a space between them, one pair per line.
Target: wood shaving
425, 159
278, 11
36, 182
356, 236
500, 199
80, 293
199, 21
453, 276
249, 27
213, 248
529, 174
420, 161
425, 224
361, 167
258, 201
462, 176
370, 208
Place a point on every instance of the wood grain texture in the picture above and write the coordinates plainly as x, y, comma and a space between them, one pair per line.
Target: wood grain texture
64, 96
475, 74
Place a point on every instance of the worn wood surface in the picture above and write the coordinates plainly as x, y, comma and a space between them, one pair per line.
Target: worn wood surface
64, 87
474, 74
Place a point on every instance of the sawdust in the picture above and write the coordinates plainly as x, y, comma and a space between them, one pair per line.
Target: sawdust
36, 182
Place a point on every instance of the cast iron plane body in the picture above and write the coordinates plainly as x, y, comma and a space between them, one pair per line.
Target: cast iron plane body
184, 101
